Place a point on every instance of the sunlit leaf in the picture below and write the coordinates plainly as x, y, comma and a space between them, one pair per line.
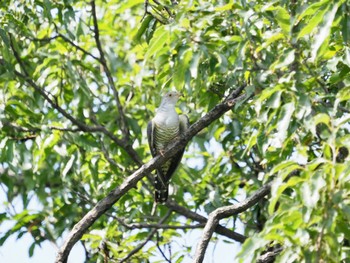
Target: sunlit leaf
283, 19
323, 31
313, 23
161, 36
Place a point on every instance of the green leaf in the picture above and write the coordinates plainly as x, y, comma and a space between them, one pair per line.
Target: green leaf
142, 29
5, 237
311, 190
283, 20
160, 38
322, 118
346, 29
248, 248
324, 31
68, 166
312, 9
4, 37
224, 7
344, 94
285, 60
313, 23
287, 165
194, 64
283, 122
127, 5
31, 249
182, 68
180, 259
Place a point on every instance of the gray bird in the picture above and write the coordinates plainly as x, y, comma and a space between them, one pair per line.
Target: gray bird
161, 130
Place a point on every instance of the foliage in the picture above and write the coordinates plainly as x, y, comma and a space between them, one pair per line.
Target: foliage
76, 99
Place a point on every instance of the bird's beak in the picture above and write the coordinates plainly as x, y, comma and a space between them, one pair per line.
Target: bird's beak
180, 94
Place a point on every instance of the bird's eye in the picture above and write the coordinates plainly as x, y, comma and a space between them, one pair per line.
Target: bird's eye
169, 95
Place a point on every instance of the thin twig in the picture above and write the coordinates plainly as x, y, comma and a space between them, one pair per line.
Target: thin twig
109, 159
64, 129
145, 8
197, 217
66, 39
161, 251
157, 226
148, 238
122, 119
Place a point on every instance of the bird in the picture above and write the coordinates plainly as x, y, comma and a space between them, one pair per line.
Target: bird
166, 126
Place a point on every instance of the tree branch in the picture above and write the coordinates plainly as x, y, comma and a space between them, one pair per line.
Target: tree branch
148, 238
122, 119
161, 251
81, 125
66, 39
157, 226
196, 217
103, 205
224, 212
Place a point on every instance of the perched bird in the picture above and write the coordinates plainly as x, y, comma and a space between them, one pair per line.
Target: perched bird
161, 130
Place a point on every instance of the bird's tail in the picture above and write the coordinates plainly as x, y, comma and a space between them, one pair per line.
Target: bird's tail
160, 189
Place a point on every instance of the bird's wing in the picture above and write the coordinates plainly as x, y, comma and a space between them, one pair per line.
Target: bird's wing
150, 136
184, 123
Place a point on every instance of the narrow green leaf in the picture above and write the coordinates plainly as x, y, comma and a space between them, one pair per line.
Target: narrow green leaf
194, 65
180, 259
283, 20
291, 165
252, 141
159, 39
68, 166
283, 123
344, 94
286, 59
5, 237
224, 7
126, 5
4, 37
313, 23
144, 25
346, 29
312, 9
324, 30
31, 250
181, 68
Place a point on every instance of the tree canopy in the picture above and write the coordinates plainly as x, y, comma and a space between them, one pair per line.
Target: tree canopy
266, 82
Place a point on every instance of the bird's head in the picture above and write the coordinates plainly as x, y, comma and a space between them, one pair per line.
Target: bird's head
171, 98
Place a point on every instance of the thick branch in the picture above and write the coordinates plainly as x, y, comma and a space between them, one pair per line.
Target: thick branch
224, 212
102, 206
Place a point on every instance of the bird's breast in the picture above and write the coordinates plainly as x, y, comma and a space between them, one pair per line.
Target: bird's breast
166, 130
167, 120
